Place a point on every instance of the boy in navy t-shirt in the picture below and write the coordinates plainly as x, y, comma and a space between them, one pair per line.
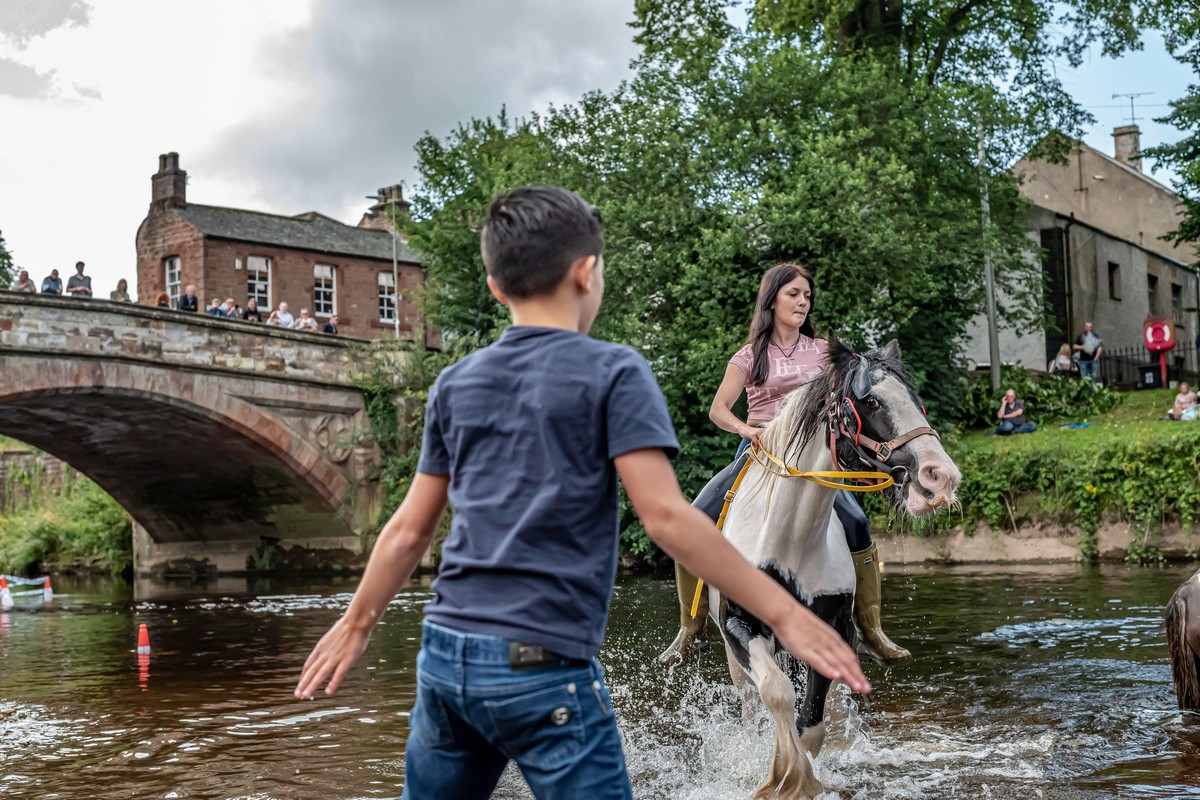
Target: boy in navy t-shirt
526, 438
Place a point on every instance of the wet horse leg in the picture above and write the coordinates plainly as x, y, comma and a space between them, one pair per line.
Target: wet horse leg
751, 648
812, 688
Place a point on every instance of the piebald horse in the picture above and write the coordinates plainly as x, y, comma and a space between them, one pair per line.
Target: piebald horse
859, 415
1183, 642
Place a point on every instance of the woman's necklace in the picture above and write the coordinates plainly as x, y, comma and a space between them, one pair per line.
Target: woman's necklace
787, 353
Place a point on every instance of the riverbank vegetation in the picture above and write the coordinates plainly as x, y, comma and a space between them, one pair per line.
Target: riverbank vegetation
1126, 466
75, 527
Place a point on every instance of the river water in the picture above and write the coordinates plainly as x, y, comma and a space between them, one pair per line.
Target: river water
1030, 682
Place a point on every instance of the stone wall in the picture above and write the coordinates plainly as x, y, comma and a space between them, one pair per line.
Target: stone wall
25, 475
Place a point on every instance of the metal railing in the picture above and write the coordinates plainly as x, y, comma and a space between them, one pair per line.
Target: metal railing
1137, 367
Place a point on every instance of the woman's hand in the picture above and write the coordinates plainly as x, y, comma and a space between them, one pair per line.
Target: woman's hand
750, 432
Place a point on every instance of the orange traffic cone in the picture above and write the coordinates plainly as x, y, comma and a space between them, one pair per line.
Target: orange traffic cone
47, 592
143, 640
6, 601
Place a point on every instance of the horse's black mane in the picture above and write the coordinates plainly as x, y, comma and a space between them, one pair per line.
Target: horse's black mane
841, 365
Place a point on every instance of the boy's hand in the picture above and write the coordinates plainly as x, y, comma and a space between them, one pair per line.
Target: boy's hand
809, 639
403, 541
329, 661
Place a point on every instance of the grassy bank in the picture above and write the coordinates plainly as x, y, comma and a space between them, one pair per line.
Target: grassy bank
1127, 466
78, 528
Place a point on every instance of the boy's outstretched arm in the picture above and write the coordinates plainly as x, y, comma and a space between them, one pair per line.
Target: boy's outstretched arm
691, 538
404, 539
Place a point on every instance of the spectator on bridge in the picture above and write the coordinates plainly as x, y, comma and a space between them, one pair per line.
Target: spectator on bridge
331, 326
273, 319
231, 309
1012, 416
121, 293
188, 300
252, 314
1186, 399
1089, 346
215, 309
286, 320
162, 300
52, 284
23, 283
305, 322
79, 285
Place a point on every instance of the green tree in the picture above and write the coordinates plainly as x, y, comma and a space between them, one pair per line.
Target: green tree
795, 140
1184, 157
6, 263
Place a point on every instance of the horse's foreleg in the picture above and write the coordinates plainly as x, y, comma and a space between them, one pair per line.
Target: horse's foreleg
790, 776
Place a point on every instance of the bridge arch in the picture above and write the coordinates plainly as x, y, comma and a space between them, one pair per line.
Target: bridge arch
180, 450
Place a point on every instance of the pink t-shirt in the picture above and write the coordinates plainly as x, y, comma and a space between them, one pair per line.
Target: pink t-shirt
784, 373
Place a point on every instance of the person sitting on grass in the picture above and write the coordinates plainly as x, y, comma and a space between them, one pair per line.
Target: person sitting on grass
1012, 416
1186, 399
526, 439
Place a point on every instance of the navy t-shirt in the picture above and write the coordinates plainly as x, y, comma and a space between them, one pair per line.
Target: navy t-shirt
527, 429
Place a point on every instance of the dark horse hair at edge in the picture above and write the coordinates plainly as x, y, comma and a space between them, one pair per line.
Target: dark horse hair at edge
762, 323
1183, 661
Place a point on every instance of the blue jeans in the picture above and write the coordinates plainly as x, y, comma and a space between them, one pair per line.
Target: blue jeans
475, 713
1088, 368
1007, 427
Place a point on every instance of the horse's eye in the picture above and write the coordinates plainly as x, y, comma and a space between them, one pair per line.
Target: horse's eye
871, 402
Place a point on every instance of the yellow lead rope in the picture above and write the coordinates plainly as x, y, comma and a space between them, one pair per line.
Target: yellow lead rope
779, 469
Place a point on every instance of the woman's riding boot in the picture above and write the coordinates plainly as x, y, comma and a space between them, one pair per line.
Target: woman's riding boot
868, 600
692, 638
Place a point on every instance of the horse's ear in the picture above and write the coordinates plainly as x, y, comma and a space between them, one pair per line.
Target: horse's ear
891, 351
837, 349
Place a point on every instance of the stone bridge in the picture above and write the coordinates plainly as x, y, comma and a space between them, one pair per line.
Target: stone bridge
222, 439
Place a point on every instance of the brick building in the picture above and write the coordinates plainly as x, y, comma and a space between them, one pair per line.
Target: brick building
308, 261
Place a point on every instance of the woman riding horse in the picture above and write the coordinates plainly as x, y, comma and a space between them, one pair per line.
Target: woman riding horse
781, 354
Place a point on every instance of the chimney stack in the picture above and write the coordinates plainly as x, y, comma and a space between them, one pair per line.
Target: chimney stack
168, 186
379, 216
1128, 145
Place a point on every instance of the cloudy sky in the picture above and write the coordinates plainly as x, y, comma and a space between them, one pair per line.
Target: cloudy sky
294, 105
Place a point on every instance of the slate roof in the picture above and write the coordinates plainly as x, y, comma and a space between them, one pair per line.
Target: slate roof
308, 231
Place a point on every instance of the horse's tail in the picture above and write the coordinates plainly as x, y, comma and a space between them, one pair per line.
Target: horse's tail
1185, 665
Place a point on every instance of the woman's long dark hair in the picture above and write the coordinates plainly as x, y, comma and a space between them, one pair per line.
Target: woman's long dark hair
762, 324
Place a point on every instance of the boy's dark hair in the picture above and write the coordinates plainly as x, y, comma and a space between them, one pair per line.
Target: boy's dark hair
532, 235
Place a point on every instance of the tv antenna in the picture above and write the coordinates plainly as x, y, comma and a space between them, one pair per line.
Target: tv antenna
1133, 118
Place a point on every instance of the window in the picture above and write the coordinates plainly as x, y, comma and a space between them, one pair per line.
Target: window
1177, 304
171, 270
387, 298
258, 281
1114, 281
1152, 292
324, 291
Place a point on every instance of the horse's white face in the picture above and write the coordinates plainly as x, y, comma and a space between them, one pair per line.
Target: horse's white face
932, 478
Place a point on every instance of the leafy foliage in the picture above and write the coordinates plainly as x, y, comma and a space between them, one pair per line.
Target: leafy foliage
842, 135
80, 528
1048, 398
1128, 468
6, 263
1184, 157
